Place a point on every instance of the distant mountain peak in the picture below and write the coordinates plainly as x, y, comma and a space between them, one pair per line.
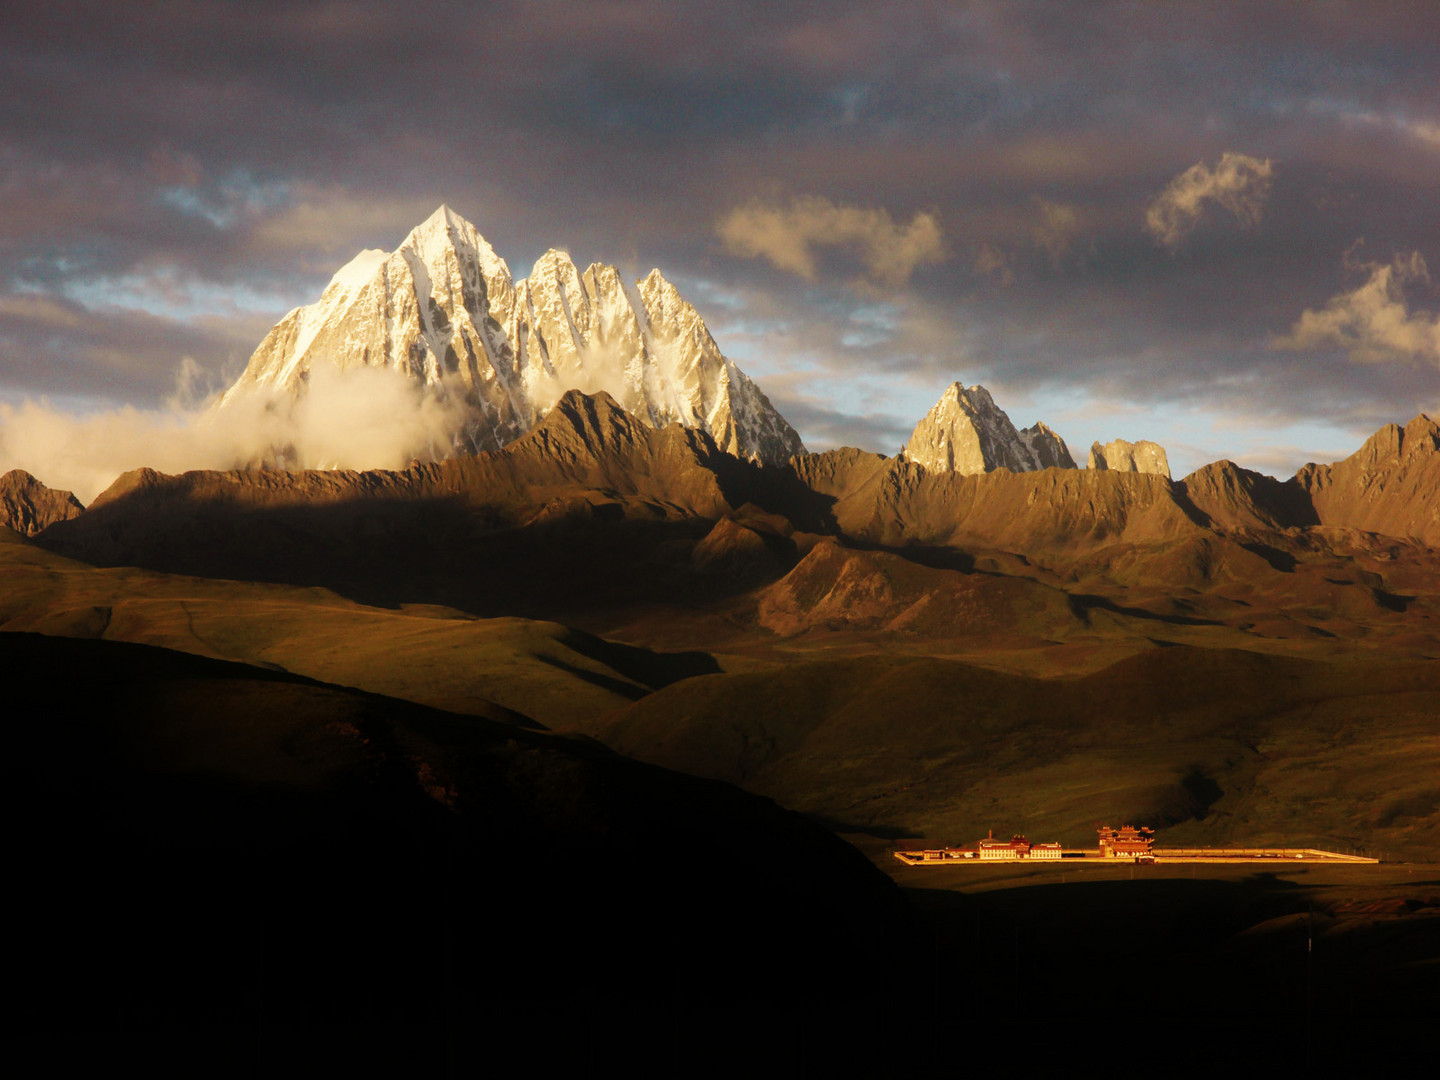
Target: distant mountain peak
28, 506
444, 310
966, 432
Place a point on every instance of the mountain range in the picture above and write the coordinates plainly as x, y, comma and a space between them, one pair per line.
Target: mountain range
444, 310
620, 450
690, 509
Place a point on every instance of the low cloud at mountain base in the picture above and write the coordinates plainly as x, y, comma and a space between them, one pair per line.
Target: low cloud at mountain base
367, 419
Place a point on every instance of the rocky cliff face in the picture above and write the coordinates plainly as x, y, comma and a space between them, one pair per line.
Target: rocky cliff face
1119, 455
27, 505
1388, 486
967, 433
443, 310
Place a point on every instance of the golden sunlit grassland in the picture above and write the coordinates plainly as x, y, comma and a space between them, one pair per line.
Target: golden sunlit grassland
436, 656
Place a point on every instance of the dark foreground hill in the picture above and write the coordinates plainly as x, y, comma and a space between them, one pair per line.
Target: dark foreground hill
196, 845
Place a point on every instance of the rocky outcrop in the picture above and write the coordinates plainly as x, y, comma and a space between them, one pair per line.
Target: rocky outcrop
28, 506
443, 310
1047, 450
967, 433
1120, 455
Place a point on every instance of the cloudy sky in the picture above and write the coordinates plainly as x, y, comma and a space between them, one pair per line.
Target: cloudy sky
1205, 224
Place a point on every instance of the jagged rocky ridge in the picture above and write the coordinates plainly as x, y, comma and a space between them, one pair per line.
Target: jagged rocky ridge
575, 509
444, 310
591, 464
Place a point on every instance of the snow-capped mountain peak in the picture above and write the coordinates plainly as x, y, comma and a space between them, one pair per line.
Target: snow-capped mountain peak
443, 309
356, 274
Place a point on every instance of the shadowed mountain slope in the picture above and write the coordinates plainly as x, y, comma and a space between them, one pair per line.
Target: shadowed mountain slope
584, 442
1050, 510
1230, 497
891, 501
1390, 486
497, 533
837, 587
277, 851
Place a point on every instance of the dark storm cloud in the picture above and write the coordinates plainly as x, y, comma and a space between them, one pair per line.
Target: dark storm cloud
56, 346
175, 175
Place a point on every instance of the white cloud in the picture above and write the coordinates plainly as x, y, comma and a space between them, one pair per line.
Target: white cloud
1239, 184
1373, 322
372, 418
787, 237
